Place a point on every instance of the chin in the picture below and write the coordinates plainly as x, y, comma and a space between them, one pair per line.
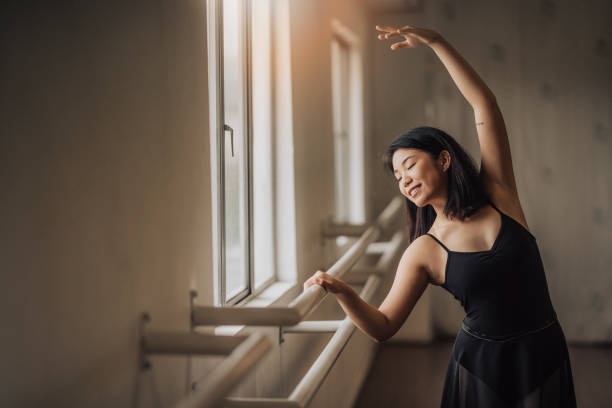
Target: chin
419, 203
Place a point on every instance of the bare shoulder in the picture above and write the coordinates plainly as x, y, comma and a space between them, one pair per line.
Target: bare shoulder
421, 253
507, 200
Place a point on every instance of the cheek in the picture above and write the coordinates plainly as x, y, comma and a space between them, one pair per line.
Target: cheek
438, 179
422, 174
429, 178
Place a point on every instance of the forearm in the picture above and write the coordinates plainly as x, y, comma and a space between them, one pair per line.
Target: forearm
366, 317
471, 86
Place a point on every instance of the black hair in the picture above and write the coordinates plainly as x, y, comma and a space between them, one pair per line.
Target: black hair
466, 192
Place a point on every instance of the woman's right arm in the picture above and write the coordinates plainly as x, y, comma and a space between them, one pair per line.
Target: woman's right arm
411, 279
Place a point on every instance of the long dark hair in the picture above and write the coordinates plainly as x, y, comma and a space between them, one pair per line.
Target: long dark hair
466, 192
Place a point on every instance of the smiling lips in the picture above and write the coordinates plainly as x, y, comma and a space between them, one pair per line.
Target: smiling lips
414, 191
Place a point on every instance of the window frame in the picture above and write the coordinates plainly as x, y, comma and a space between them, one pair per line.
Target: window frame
218, 134
350, 204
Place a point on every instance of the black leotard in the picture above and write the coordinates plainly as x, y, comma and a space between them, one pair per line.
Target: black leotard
511, 350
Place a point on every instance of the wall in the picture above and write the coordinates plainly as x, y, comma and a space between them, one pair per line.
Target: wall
548, 63
105, 196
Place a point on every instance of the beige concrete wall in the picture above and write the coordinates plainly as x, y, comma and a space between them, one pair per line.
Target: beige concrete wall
105, 196
106, 199
548, 63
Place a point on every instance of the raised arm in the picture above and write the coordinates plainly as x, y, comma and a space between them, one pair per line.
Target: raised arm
496, 168
496, 161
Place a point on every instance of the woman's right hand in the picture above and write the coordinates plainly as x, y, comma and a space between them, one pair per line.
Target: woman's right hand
328, 282
413, 36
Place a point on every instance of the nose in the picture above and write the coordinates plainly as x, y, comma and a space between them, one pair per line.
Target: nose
407, 181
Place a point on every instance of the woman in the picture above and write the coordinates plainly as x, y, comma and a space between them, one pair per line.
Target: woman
511, 350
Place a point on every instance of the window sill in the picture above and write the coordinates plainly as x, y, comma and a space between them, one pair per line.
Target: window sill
278, 293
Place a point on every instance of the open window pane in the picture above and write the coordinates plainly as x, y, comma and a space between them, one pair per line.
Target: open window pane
235, 157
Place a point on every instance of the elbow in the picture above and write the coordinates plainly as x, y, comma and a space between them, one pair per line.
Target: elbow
484, 100
381, 339
386, 334
487, 100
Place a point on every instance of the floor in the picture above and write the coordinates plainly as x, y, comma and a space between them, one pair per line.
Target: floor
413, 376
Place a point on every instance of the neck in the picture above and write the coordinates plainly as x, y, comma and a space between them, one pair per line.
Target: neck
438, 206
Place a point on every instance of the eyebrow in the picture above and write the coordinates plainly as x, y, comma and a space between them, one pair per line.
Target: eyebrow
403, 161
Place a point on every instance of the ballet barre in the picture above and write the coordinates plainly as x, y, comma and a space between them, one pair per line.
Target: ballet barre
241, 353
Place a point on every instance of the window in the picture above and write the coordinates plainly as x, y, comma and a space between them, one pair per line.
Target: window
235, 152
242, 146
348, 124
263, 148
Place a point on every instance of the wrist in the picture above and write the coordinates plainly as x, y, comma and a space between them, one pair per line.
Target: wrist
437, 42
346, 291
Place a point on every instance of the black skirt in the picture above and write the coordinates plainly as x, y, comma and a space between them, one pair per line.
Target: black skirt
525, 370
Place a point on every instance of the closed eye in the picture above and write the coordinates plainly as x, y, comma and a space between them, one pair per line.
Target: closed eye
400, 179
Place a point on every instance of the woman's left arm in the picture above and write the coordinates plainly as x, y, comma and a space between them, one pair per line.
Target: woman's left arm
496, 167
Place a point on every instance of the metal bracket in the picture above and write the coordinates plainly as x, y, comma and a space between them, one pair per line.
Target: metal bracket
281, 338
144, 363
192, 295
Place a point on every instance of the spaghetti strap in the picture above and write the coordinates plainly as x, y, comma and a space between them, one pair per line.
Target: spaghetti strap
496, 209
439, 242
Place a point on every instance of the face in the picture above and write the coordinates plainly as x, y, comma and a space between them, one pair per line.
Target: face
420, 178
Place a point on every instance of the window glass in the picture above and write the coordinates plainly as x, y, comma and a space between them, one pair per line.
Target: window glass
235, 152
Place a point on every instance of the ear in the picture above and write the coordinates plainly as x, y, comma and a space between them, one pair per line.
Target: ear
444, 160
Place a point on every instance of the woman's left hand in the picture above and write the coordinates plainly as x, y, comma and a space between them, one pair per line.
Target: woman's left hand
413, 36
328, 282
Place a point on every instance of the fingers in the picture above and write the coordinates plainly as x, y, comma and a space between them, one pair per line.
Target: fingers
386, 28
315, 281
395, 30
321, 282
403, 44
388, 35
406, 29
319, 278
